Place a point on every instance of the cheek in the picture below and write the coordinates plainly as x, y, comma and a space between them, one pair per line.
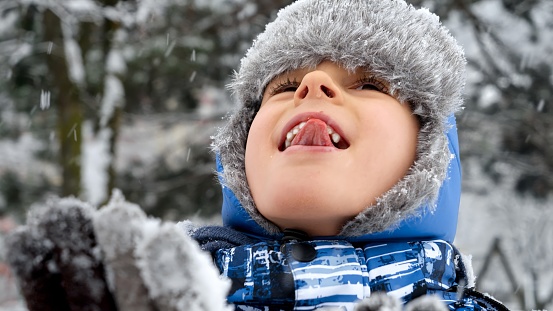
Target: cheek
264, 121
408, 134
390, 141
259, 147
394, 127
252, 156
259, 136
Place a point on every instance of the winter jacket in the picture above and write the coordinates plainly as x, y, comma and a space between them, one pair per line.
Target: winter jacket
297, 274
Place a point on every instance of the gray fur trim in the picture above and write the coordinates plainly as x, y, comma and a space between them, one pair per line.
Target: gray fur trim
466, 261
394, 41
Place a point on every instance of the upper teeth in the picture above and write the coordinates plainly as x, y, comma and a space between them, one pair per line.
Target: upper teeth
294, 131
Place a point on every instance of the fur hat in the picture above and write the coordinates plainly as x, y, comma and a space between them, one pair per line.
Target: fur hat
407, 47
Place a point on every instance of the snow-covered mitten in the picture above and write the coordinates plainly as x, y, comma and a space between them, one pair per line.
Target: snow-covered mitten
379, 302
71, 256
382, 302
119, 226
178, 274
67, 223
31, 257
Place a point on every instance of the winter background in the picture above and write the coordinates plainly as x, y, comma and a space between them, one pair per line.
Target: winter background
104, 94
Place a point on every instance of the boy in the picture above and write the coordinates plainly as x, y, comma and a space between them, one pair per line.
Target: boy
340, 173
340, 169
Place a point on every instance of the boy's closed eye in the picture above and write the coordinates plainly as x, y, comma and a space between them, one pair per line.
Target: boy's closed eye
283, 86
371, 83
291, 84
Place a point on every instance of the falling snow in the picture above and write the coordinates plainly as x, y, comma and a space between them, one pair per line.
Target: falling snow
44, 99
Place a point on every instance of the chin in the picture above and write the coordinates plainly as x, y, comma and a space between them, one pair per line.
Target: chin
312, 227
316, 213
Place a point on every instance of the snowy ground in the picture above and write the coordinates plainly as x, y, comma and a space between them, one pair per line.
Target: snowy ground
9, 296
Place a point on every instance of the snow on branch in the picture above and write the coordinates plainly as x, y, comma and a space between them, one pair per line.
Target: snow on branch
73, 55
133, 14
114, 93
70, 10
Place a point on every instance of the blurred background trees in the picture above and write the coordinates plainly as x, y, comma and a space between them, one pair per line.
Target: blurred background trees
97, 94
82, 77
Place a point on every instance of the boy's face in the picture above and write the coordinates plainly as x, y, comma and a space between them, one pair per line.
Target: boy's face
314, 181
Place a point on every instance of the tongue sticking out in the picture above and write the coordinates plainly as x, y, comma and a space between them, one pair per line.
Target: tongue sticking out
314, 133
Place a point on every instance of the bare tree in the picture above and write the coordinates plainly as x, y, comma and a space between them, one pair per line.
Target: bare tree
525, 251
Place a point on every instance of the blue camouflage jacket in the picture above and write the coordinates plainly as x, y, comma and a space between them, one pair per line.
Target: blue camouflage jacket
297, 274
292, 271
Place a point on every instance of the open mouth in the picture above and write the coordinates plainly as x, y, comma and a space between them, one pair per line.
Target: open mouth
313, 132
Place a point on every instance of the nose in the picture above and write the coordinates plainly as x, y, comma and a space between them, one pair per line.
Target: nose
317, 85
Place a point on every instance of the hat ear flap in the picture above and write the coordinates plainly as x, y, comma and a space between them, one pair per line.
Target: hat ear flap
233, 213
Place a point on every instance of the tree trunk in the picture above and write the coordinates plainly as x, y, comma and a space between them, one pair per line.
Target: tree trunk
69, 108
